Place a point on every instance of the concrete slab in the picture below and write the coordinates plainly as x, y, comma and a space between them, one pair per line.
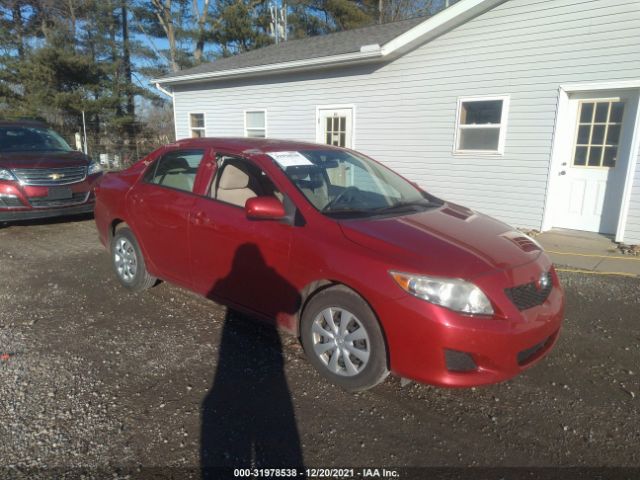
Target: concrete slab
627, 266
578, 242
588, 251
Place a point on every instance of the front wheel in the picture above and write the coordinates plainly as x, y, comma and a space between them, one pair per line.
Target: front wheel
343, 340
128, 262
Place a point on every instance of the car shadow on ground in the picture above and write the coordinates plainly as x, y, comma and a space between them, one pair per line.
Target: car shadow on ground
48, 221
248, 419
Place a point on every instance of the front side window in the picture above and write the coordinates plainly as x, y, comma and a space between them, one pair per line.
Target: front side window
481, 125
31, 139
339, 183
176, 170
238, 179
255, 122
196, 123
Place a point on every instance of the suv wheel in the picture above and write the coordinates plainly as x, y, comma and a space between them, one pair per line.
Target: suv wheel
342, 338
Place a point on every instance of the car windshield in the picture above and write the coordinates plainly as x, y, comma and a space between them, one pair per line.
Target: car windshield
341, 184
31, 139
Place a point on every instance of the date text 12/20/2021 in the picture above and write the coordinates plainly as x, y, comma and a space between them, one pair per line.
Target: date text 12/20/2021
339, 473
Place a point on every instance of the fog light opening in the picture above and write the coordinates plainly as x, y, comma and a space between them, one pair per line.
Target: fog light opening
459, 361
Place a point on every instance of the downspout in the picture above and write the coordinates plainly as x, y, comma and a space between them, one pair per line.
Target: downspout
164, 90
173, 104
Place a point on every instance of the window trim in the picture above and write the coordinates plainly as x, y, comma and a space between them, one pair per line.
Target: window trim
203, 128
502, 136
246, 129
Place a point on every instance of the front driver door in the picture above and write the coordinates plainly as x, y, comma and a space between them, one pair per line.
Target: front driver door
159, 207
240, 261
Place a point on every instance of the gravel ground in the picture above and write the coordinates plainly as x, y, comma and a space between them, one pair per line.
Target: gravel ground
93, 377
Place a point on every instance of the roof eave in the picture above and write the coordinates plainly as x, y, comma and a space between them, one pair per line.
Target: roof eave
296, 65
433, 27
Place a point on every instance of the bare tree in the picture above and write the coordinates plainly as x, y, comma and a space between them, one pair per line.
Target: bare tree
163, 12
201, 23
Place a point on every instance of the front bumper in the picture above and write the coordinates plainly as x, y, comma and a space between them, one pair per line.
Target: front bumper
31, 202
15, 215
421, 336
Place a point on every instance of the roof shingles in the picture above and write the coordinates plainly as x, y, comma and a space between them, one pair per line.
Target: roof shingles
338, 43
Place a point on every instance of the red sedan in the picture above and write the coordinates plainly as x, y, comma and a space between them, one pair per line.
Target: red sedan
369, 271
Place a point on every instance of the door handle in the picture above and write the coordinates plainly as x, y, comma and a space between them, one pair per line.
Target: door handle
563, 172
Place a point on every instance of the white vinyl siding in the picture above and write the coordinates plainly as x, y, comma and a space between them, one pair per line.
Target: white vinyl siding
406, 108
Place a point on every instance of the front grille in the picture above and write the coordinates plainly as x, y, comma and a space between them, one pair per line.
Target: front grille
45, 177
10, 201
76, 198
525, 355
530, 295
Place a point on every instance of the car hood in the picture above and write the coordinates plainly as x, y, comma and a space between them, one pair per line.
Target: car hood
450, 241
42, 159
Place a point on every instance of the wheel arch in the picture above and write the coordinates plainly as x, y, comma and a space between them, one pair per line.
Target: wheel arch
317, 286
115, 225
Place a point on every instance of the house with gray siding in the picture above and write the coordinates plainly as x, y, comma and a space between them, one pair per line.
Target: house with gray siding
527, 110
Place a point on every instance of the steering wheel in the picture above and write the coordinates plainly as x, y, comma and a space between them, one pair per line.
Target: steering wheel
340, 196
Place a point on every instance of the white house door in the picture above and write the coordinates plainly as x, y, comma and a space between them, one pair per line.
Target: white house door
594, 162
335, 127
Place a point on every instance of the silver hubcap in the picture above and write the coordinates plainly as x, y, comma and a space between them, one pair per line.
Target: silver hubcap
125, 259
341, 341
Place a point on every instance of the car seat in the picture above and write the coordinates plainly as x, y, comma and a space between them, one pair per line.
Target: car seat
237, 184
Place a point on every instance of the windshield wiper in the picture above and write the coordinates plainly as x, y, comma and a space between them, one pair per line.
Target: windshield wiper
348, 212
405, 205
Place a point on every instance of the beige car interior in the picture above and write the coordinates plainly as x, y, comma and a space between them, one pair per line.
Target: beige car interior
176, 173
313, 186
238, 181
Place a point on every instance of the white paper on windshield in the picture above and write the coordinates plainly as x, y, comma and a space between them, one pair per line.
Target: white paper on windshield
289, 159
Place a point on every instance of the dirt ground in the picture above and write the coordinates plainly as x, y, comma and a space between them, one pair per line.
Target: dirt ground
93, 377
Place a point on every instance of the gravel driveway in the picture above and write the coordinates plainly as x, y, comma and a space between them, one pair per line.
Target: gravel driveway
94, 377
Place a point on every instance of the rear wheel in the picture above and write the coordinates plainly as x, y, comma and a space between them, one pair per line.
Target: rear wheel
343, 340
128, 262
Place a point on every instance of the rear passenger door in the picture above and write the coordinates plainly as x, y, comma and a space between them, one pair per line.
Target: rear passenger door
159, 208
237, 260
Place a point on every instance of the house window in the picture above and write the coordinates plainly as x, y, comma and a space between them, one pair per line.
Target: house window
255, 123
196, 124
598, 134
481, 125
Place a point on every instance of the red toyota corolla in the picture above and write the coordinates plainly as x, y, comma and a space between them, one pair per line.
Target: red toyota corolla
372, 273
41, 175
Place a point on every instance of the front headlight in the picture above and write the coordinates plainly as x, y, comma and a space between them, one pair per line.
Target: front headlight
451, 293
6, 174
94, 168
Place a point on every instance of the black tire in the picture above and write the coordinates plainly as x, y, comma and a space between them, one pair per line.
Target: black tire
141, 279
371, 373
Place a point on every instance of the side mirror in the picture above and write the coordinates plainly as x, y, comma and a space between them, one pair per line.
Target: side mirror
264, 208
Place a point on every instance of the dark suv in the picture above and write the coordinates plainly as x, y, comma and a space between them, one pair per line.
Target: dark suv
41, 175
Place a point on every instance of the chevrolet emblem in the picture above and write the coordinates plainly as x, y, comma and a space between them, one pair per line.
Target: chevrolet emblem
56, 176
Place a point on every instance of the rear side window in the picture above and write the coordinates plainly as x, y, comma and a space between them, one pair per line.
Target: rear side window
176, 170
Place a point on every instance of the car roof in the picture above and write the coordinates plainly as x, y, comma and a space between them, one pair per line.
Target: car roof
250, 146
22, 123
